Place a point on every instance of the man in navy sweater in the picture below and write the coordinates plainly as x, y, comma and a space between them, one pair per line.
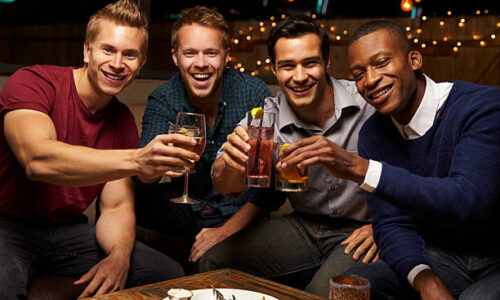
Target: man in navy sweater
430, 163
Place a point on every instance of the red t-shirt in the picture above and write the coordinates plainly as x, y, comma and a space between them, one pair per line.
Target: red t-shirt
52, 90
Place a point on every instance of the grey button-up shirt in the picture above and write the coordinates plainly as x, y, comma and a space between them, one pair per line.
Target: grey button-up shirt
326, 194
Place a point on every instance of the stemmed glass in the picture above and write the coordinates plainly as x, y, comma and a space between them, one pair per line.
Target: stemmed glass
193, 126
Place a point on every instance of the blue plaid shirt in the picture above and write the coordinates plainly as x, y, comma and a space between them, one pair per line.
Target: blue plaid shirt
240, 93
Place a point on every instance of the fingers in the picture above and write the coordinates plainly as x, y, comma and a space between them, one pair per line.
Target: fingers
236, 149
87, 276
371, 255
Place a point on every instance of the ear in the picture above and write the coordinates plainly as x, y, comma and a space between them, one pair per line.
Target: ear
143, 62
86, 52
227, 56
415, 60
174, 57
327, 65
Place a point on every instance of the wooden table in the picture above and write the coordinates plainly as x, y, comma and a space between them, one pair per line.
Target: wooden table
224, 278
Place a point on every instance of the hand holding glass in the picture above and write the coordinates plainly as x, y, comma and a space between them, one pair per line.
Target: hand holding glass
193, 126
291, 179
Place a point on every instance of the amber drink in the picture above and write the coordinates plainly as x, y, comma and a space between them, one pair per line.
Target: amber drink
291, 179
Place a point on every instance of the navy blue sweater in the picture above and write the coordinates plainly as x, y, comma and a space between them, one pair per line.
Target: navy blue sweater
441, 188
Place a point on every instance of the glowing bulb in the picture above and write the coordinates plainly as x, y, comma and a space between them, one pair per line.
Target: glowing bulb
424, 45
415, 41
478, 12
424, 18
434, 42
249, 37
332, 28
409, 36
272, 18
482, 43
259, 62
408, 28
476, 36
445, 39
253, 73
493, 36
459, 44
419, 31
261, 24
461, 25
338, 37
250, 28
345, 32
273, 24
283, 16
263, 29
268, 60
455, 49
441, 23
406, 5
242, 69
236, 41
313, 16
448, 13
241, 32
462, 20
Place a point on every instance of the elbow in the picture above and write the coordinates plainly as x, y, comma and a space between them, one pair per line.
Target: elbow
35, 171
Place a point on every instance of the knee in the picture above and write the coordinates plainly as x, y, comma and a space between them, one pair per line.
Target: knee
149, 266
210, 261
480, 293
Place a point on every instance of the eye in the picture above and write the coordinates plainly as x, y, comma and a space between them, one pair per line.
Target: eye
107, 50
382, 62
358, 75
131, 55
286, 67
189, 53
212, 53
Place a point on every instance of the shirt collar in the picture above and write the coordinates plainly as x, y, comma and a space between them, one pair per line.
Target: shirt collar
434, 97
344, 96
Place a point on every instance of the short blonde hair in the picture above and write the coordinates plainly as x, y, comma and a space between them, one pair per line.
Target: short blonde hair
122, 12
203, 16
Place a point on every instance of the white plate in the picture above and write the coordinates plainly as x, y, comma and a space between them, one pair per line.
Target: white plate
207, 294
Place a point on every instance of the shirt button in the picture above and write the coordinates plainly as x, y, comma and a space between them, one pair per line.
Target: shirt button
213, 142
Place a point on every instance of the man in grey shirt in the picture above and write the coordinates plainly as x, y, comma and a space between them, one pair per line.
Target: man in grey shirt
315, 113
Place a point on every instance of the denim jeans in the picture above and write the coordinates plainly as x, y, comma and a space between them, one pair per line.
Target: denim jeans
29, 249
289, 249
466, 277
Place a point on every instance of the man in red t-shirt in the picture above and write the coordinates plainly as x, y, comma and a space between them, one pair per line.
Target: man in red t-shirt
62, 126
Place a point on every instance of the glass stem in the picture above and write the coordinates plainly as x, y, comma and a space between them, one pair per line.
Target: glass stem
186, 183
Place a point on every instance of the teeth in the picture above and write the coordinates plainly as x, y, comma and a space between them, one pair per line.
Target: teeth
114, 77
201, 76
300, 89
380, 93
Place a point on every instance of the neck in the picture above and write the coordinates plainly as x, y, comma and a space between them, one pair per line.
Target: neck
208, 106
93, 100
320, 111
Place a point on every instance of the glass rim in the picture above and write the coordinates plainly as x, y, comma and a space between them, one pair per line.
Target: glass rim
363, 282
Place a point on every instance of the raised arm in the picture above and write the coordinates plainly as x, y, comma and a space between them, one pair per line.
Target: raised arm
229, 168
33, 139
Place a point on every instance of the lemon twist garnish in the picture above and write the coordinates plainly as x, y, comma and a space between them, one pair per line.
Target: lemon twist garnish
257, 113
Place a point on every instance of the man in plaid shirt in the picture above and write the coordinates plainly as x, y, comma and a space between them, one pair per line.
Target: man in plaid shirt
200, 48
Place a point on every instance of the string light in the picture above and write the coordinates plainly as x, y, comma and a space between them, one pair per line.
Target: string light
455, 49
459, 44
268, 60
424, 18
482, 43
332, 28
434, 42
493, 36
419, 30
441, 23
406, 5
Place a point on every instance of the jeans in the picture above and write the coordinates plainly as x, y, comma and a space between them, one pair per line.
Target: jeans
70, 250
155, 211
289, 249
466, 277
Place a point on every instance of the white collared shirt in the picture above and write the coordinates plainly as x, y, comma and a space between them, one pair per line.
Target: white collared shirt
432, 103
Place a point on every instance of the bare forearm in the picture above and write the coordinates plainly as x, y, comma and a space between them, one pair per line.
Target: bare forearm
226, 179
115, 231
69, 165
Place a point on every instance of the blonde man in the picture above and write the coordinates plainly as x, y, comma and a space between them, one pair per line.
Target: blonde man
60, 124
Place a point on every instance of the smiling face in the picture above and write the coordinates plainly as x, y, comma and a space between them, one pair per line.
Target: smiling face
300, 69
385, 74
114, 58
201, 59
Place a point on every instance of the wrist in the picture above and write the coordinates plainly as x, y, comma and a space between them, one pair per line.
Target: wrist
359, 168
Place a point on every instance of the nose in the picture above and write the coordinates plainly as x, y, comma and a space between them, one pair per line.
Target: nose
117, 61
201, 61
372, 77
300, 74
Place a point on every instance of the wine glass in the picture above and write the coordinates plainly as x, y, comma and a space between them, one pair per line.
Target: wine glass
193, 126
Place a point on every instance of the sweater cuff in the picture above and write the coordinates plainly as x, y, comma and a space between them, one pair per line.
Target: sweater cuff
415, 271
372, 176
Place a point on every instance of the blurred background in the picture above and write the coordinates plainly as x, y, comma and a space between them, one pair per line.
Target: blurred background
457, 38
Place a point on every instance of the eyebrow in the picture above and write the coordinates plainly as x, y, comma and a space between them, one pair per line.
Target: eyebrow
286, 61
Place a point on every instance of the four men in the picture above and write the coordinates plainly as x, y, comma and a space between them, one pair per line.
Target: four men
428, 161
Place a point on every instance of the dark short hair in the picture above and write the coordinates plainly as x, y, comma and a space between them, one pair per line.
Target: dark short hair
395, 30
297, 26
